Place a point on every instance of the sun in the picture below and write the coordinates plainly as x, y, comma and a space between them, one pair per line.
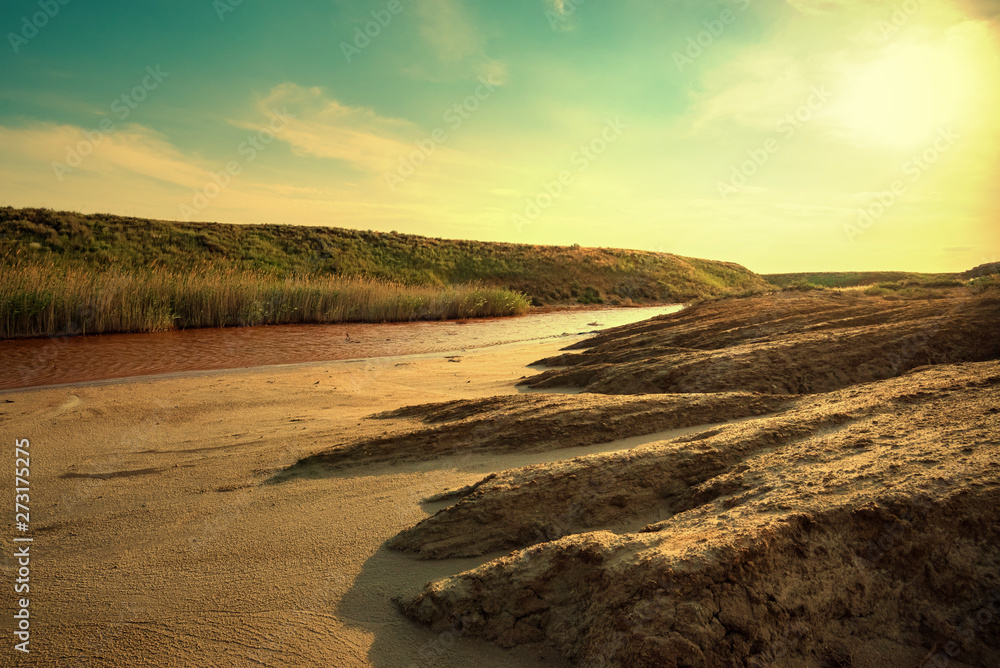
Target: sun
907, 94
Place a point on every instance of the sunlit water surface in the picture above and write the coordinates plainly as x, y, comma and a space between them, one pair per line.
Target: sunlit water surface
34, 362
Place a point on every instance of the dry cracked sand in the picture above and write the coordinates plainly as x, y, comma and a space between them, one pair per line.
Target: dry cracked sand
790, 480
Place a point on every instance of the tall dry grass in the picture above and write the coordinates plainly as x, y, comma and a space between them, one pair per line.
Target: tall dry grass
46, 299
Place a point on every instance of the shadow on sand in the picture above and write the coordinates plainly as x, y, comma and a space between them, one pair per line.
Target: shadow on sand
399, 642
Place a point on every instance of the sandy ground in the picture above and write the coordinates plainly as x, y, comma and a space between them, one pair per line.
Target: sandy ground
850, 520
788, 480
157, 542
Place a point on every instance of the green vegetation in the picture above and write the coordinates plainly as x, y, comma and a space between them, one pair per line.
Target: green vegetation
547, 274
68, 273
39, 299
887, 284
987, 269
982, 281
901, 290
985, 283
851, 279
590, 295
987, 286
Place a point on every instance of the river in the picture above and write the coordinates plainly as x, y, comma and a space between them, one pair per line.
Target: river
38, 362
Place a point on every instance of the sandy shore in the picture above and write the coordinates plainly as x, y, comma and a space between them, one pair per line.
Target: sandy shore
788, 480
157, 545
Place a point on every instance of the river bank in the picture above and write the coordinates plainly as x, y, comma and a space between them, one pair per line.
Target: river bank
40, 297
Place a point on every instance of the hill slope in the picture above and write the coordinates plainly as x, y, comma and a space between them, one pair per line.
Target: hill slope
549, 274
850, 279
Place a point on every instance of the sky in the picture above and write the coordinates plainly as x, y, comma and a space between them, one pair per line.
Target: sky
795, 135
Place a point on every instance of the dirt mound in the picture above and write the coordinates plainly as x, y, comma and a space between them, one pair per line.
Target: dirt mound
795, 591
780, 343
524, 506
532, 423
533, 504
857, 528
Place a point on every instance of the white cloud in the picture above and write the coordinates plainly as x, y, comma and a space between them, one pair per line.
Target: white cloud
448, 30
755, 91
325, 128
457, 44
135, 170
64, 150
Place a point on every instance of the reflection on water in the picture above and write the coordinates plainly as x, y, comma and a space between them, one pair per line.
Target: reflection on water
33, 362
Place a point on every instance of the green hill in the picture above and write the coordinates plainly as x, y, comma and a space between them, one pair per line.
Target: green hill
547, 274
850, 279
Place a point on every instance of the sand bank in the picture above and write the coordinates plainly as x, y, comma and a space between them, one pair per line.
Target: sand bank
157, 543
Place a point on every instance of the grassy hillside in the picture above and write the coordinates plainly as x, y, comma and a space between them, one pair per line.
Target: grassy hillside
850, 279
547, 274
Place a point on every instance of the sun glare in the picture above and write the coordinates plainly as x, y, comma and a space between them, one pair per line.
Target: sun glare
907, 94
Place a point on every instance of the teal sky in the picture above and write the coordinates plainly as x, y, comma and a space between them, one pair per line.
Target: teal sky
656, 125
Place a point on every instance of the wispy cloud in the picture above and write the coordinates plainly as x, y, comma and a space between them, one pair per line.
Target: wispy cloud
987, 9
325, 128
143, 174
132, 149
447, 28
457, 43
754, 92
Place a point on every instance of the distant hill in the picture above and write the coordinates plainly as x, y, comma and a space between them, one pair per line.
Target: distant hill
987, 269
548, 274
850, 279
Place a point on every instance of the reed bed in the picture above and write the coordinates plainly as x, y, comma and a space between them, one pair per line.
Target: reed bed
46, 299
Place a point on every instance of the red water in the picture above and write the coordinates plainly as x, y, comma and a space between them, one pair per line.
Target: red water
35, 362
